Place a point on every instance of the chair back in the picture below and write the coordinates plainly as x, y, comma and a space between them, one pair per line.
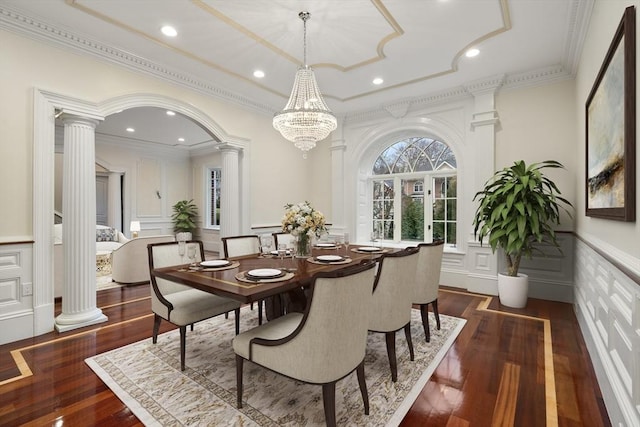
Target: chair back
331, 339
427, 281
285, 238
393, 291
241, 246
164, 255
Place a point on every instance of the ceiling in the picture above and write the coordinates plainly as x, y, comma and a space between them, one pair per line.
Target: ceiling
417, 46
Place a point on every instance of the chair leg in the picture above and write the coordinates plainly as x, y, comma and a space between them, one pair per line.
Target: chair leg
260, 312
329, 400
183, 345
390, 337
192, 327
226, 315
251, 306
363, 387
424, 313
239, 362
434, 305
407, 333
156, 327
237, 316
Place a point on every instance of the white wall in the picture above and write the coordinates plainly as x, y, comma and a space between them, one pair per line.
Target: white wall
607, 301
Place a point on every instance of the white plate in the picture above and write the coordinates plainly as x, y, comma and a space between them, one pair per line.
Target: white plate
277, 254
369, 249
325, 245
264, 273
215, 263
329, 258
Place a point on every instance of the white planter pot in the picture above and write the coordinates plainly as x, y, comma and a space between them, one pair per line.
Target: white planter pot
513, 290
185, 235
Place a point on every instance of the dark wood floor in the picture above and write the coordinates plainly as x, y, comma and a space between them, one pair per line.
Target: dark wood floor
524, 367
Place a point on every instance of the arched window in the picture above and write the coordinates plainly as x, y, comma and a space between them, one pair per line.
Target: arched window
414, 192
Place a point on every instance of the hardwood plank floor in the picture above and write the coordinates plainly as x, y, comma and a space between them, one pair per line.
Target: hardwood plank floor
508, 367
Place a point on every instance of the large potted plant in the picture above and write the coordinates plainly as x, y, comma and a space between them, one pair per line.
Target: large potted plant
185, 213
518, 208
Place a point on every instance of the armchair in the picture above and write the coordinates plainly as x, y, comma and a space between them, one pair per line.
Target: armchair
391, 302
316, 347
180, 304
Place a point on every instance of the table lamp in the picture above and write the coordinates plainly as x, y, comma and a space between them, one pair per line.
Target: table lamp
134, 228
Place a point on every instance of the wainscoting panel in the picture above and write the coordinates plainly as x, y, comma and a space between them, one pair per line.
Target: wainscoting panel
16, 292
607, 304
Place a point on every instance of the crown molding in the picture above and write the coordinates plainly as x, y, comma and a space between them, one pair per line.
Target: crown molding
32, 28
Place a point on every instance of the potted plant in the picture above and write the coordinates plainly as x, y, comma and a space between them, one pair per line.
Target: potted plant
184, 217
518, 208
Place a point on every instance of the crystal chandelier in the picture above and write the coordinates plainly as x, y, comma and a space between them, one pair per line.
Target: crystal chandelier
306, 119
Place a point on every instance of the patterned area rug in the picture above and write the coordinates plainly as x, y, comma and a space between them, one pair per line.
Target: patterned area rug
147, 378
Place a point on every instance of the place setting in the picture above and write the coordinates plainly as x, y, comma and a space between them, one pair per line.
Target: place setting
369, 250
215, 265
329, 259
264, 275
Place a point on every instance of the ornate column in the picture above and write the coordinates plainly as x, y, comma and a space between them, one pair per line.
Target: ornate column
482, 263
79, 225
114, 214
338, 202
230, 214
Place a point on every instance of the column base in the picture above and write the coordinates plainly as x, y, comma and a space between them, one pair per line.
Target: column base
66, 323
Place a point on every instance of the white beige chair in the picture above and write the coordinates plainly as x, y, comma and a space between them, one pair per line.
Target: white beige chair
391, 303
179, 304
425, 289
241, 246
281, 237
129, 261
321, 346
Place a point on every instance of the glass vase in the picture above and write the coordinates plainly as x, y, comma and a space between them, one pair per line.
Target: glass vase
302, 246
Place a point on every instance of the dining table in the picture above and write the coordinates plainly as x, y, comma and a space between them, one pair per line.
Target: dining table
282, 294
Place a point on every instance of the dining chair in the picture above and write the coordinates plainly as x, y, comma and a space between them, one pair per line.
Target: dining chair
315, 346
241, 246
427, 281
180, 304
282, 237
391, 302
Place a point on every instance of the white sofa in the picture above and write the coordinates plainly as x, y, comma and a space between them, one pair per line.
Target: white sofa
58, 251
130, 262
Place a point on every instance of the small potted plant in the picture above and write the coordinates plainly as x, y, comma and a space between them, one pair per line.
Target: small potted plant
518, 208
185, 213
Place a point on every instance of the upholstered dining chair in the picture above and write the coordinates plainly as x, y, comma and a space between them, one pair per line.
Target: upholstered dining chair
282, 237
180, 304
391, 302
241, 246
427, 281
322, 345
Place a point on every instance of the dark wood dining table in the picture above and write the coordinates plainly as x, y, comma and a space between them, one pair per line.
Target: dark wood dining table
278, 294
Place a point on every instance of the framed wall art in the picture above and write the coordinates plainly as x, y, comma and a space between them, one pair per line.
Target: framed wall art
611, 129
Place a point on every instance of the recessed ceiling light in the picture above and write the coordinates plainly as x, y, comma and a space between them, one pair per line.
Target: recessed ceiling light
180, 139
170, 113
258, 73
131, 130
169, 31
472, 52
378, 81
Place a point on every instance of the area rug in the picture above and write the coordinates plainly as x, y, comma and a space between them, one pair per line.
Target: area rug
147, 378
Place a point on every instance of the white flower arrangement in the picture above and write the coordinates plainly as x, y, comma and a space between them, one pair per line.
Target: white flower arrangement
303, 220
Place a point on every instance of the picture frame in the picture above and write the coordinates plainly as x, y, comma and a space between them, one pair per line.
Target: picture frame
610, 186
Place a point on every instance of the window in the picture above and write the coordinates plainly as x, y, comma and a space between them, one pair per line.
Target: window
401, 208
213, 197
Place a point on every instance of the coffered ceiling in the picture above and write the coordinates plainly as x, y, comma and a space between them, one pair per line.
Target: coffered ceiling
416, 46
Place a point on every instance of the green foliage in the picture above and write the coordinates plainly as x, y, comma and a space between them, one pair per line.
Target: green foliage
518, 207
184, 216
412, 219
